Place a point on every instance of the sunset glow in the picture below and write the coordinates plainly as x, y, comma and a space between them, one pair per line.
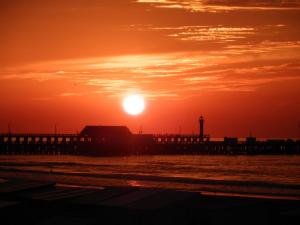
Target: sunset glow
69, 63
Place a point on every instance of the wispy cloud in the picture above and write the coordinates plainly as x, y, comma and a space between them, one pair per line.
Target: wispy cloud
209, 33
243, 58
175, 75
264, 47
220, 36
70, 94
225, 5
36, 75
243, 79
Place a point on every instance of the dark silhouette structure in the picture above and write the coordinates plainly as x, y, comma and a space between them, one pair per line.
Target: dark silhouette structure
203, 137
109, 138
201, 123
118, 140
102, 134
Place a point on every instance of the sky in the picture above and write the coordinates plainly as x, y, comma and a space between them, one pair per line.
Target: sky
72, 62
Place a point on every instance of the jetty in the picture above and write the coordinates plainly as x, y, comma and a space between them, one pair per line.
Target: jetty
119, 140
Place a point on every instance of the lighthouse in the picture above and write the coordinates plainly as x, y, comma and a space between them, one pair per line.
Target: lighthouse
201, 124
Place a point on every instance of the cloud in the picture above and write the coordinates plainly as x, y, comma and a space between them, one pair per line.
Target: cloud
36, 75
114, 87
217, 37
209, 33
235, 67
70, 94
244, 79
225, 5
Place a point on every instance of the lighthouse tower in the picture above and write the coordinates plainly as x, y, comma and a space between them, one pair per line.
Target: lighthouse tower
201, 124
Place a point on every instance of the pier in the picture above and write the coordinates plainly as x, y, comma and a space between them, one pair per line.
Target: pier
39, 143
138, 144
119, 140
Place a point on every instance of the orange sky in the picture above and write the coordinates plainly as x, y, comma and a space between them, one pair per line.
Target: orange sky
71, 62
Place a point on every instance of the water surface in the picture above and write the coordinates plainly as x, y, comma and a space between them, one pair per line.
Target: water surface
250, 175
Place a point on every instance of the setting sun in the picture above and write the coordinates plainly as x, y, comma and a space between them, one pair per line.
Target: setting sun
134, 104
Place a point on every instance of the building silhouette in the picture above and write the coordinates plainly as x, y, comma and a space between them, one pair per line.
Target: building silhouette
119, 140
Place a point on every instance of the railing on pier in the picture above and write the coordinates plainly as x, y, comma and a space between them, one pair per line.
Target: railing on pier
39, 143
179, 139
140, 144
176, 139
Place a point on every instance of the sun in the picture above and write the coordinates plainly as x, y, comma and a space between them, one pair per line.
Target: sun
134, 104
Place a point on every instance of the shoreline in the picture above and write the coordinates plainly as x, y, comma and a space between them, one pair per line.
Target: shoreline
71, 180
37, 202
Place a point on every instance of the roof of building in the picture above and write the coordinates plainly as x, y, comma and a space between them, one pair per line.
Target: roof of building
105, 131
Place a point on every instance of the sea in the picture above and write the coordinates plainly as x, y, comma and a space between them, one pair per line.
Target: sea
257, 176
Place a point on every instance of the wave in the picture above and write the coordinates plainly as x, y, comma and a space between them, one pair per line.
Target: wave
136, 168
183, 180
